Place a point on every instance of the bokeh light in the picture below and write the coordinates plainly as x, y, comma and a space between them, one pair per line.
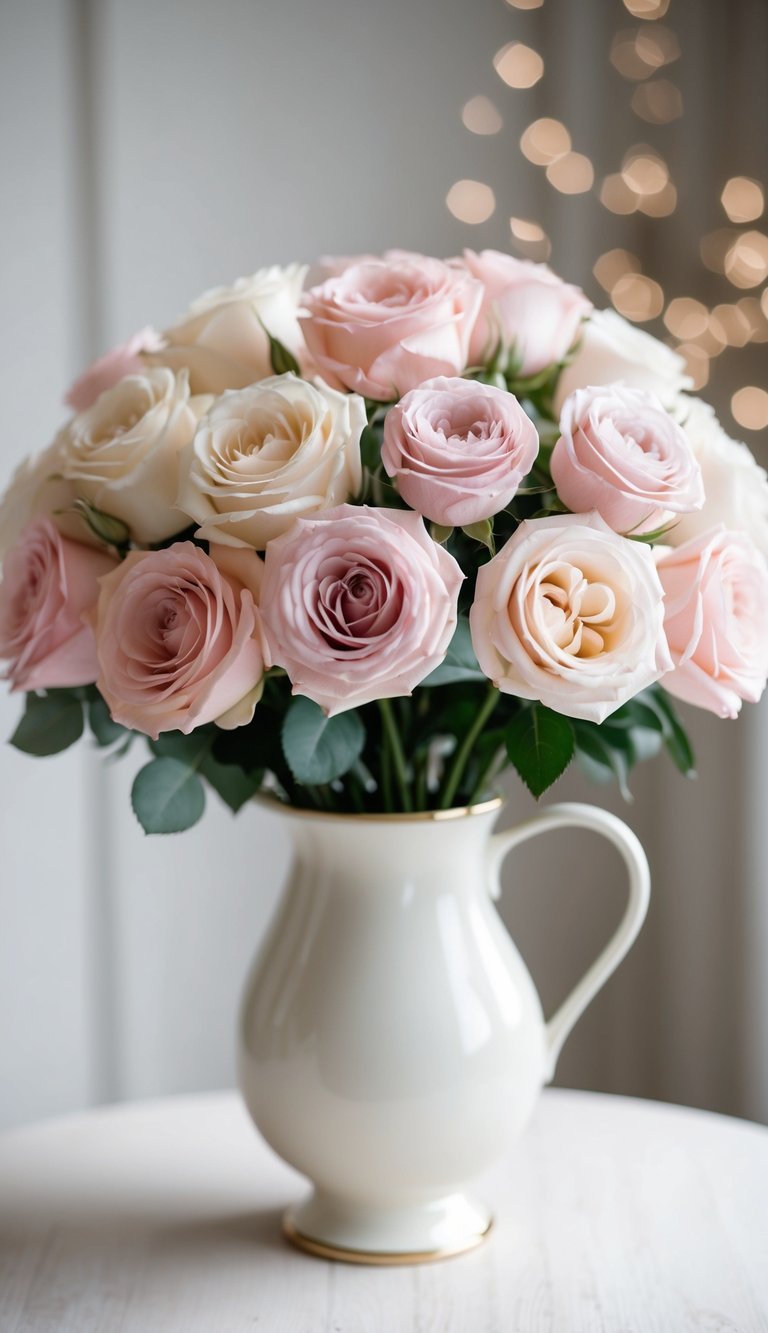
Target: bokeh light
530, 238
647, 9
696, 364
616, 195
750, 407
638, 298
614, 264
480, 116
658, 101
686, 318
518, 65
746, 263
544, 141
743, 199
639, 53
471, 201
644, 171
572, 173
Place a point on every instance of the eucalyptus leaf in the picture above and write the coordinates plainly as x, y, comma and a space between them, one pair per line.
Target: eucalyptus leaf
318, 748
459, 662
167, 796
540, 744
231, 782
105, 730
50, 724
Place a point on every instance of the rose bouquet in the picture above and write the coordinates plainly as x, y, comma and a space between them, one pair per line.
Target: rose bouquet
360, 546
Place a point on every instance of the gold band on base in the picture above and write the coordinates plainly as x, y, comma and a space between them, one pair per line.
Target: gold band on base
380, 1259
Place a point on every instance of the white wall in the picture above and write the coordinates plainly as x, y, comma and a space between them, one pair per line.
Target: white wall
150, 148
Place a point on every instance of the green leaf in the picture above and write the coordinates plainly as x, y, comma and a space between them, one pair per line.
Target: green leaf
167, 796
231, 782
459, 662
282, 360
51, 723
319, 748
675, 735
540, 745
189, 749
481, 532
105, 731
370, 449
440, 534
602, 756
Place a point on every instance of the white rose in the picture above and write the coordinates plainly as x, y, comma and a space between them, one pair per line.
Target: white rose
269, 454
611, 349
222, 341
37, 488
122, 454
735, 486
571, 614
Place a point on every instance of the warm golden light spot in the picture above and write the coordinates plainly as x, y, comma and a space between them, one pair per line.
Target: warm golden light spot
733, 324
647, 9
518, 65
686, 318
530, 238
712, 340
750, 407
544, 141
696, 363
572, 173
756, 316
638, 298
616, 195
639, 53
743, 199
471, 201
480, 116
746, 263
658, 101
614, 264
659, 205
714, 247
525, 4
644, 171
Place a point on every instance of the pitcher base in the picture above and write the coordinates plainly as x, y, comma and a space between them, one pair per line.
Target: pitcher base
352, 1234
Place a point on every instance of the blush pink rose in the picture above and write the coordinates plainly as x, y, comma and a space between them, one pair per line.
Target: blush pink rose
179, 639
622, 454
716, 620
458, 449
383, 326
358, 604
127, 359
571, 614
48, 584
534, 314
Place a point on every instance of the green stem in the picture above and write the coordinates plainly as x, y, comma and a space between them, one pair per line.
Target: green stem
456, 771
491, 769
389, 728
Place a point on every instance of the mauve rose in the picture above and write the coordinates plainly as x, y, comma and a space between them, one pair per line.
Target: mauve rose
571, 614
735, 486
622, 454
222, 340
611, 349
48, 583
126, 359
122, 454
358, 604
265, 455
534, 314
179, 639
716, 591
384, 326
458, 449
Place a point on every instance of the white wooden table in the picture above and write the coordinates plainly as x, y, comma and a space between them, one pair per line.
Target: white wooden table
612, 1215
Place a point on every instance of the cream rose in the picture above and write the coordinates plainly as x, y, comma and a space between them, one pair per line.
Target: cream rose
735, 486
358, 604
382, 327
122, 454
621, 453
612, 349
571, 614
716, 591
264, 456
179, 639
222, 341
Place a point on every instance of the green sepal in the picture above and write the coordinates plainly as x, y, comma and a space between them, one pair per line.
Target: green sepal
283, 362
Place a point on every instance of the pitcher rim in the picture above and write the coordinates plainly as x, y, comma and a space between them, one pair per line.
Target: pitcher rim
494, 803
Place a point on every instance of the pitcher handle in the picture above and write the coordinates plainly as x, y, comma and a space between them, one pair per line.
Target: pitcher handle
573, 815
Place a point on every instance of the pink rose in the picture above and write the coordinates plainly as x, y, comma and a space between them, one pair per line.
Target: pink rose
105, 373
458, 449
622, 454
358, 604
179, 639
48, 583
571, 614
716, 590
383, 326
534, 314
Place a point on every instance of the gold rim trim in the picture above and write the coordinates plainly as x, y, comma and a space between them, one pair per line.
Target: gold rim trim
420, 817
379, 1259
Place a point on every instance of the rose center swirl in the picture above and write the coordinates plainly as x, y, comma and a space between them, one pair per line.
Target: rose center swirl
570, 612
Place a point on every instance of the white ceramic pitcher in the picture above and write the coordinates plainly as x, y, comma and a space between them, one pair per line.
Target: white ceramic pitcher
392, 1042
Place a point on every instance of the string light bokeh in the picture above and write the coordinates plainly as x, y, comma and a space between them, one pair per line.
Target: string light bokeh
725, 309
